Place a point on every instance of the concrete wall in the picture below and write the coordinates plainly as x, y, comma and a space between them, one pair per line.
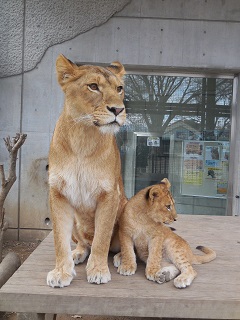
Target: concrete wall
171, 35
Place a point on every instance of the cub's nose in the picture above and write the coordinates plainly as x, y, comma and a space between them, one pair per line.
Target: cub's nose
115, 110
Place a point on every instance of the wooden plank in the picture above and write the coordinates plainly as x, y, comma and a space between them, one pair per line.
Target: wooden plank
214, 294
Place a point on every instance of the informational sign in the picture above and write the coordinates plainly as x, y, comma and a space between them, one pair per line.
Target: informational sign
153, 142
205, 168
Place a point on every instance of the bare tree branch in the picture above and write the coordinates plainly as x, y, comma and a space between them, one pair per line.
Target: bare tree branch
12, 145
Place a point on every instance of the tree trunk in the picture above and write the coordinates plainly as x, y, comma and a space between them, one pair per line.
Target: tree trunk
2, 230
12, 145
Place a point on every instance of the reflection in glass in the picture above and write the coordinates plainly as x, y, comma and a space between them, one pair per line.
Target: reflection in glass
168, 118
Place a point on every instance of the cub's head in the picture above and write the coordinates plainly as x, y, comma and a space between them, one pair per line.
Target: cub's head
93, 95
161, 207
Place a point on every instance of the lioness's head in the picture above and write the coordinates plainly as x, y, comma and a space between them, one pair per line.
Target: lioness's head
93, 95
161, 205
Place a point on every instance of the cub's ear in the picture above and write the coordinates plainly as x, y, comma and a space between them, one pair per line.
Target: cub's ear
167, 183
117, 68
153, 193
66, 69
157, 191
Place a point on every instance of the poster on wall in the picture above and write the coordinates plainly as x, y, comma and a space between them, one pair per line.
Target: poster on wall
205, 168
193, 163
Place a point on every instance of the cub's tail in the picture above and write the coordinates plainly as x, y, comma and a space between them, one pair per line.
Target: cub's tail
209, 255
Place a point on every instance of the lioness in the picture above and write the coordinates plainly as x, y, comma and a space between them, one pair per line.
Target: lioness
141, 224
86, 190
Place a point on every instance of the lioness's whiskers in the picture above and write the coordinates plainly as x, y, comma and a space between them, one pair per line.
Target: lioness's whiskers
83, 118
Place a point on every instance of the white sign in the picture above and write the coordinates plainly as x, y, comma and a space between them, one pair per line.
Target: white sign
153, 142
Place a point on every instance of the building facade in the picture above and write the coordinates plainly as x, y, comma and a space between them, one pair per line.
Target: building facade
182, 98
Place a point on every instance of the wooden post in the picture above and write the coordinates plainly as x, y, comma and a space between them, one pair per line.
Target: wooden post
8, 266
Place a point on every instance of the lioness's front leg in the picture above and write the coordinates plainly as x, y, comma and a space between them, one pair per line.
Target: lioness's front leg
105, 216
62, 218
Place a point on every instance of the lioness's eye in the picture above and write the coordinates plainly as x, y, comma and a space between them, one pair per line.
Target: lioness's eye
119, 89
93, 86
168, 207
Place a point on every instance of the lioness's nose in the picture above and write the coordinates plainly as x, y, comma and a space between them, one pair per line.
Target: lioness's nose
115, 110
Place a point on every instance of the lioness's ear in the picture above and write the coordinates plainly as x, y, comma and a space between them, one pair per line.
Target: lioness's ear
66, 69
167, 183
117, 68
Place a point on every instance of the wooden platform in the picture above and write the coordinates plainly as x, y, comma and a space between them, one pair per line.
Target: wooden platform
214, 294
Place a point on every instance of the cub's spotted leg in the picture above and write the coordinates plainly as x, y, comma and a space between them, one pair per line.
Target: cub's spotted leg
126, 259
97, 265
186, 277
181, 261
153, 267
62, 218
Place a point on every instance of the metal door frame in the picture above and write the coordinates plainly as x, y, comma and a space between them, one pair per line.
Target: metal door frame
233, 199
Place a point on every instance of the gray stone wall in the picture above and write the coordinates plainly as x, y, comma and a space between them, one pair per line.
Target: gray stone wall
29, 27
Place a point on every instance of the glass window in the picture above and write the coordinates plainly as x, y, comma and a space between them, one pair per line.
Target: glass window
178, 128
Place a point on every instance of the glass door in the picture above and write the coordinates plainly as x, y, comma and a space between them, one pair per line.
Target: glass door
178, 128
151, 159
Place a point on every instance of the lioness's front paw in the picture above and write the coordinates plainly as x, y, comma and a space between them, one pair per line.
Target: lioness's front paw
127, 269
98, 275
79, 256
117, 259
58, 278
97, 272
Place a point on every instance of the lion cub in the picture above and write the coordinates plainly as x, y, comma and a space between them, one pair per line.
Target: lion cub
141, 225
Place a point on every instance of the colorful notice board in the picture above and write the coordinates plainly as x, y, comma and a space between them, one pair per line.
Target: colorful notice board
205, 168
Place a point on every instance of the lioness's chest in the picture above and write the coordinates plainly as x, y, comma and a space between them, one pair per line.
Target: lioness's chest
81, 184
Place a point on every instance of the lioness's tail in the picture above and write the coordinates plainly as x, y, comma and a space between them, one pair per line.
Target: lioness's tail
209, 255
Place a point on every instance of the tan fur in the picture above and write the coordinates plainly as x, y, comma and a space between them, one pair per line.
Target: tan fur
86, 190
141, 225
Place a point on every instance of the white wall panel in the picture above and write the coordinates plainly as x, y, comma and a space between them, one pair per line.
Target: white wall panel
34, 182
37, 96
163, 44
184, 9
10, 103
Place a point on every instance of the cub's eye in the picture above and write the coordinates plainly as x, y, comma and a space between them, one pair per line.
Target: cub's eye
168, 207
120, 89
93, 86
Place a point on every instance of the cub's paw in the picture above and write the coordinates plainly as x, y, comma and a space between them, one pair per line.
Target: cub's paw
79, 255
127, 269
155, 275
169, 272
117, 259
182, 281
158, 277
58, 278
